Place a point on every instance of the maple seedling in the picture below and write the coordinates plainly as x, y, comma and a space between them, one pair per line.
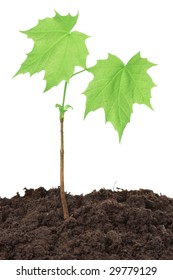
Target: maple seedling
115, 87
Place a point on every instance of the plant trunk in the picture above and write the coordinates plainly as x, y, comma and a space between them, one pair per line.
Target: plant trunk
62, 193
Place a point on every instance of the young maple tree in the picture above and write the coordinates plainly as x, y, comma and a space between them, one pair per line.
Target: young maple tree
115, 86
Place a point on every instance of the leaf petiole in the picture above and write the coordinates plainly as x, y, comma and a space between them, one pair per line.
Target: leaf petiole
79, 72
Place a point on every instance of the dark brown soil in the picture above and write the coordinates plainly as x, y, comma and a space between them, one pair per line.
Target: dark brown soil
103, 225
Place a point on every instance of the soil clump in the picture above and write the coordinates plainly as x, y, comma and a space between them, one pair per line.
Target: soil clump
105, 224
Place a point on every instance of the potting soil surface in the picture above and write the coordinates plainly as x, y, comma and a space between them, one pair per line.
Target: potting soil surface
105, 224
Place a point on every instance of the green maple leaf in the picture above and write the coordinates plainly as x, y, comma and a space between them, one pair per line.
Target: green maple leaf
116, 87
56, 49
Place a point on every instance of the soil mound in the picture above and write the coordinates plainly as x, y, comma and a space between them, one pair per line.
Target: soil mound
104, 224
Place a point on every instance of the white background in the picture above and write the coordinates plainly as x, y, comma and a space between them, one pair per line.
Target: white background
87, 266
94, 158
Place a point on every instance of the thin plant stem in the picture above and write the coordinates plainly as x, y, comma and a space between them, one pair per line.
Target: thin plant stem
62, 112
62, 193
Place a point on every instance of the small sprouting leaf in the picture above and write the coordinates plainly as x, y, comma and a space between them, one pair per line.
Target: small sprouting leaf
67, 107
116, 87
58, 106
56, 49
62, 109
